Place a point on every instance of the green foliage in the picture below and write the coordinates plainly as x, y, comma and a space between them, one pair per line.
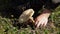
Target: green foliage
55, 17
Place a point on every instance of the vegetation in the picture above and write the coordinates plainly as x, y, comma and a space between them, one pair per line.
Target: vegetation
7, 25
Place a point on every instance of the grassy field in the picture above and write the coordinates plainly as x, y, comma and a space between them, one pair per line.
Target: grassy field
7, 25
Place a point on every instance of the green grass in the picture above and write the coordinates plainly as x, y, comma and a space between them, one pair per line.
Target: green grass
53, 27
